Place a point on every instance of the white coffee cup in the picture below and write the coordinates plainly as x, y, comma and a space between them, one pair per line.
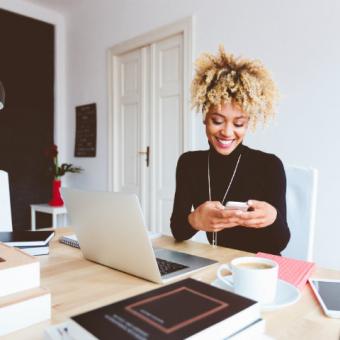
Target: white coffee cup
253, 277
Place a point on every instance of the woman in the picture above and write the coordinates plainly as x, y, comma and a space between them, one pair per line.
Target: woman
232, 94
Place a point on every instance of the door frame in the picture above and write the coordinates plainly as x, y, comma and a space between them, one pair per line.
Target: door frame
185, 27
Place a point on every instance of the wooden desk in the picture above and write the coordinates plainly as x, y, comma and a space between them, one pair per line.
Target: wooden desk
78, 285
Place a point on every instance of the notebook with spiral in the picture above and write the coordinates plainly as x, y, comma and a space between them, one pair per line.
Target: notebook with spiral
70, 240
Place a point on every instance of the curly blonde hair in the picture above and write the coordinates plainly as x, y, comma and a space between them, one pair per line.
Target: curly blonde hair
226, 79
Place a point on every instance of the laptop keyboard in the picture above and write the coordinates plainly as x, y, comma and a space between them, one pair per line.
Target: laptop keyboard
167, 267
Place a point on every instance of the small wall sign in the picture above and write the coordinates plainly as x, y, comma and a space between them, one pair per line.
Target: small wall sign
86, 131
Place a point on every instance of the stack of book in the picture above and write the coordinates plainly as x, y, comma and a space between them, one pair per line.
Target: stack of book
185, 309
31, 242
22, 301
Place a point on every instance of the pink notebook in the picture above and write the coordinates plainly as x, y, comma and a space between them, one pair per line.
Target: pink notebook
293, 271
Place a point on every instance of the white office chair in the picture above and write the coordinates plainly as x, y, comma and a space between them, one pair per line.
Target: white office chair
301, 207
5, 203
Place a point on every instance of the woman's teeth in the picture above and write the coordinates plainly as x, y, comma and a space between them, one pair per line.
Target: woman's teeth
224, 142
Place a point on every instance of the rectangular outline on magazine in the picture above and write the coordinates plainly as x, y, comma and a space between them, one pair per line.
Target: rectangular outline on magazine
182, 324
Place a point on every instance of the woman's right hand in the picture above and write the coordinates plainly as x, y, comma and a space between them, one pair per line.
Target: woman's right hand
212, 216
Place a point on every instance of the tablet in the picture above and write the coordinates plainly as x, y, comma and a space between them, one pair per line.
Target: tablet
328, 294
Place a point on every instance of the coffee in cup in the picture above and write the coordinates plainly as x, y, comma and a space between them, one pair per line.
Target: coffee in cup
253, 277
254, 265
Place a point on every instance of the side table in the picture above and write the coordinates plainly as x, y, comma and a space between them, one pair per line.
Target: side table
45, 208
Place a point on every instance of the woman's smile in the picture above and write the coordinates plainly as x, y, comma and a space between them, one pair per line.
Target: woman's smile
226, 126
224, 143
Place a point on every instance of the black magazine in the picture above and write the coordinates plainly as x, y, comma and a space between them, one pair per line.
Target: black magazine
26, 238
176, 311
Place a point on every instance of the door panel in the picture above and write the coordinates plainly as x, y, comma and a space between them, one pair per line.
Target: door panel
129, 75
168, 120
129, 122
169, 55
170, 142
130, 165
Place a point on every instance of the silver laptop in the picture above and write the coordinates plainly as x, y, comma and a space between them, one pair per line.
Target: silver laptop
110, 230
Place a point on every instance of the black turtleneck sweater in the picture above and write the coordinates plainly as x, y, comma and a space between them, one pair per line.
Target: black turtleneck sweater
260, 176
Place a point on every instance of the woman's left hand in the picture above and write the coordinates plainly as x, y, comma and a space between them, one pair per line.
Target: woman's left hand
262, 215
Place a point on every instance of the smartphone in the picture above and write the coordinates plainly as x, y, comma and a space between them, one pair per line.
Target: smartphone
328, 294
233, 205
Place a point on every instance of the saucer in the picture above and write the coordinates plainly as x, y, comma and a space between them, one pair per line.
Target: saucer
286, 294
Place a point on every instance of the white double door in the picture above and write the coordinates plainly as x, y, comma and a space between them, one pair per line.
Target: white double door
149, 94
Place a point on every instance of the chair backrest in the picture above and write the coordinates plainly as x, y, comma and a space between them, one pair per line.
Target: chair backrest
301, 207
5, 203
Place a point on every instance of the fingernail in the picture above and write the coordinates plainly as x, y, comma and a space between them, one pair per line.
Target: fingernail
250, 202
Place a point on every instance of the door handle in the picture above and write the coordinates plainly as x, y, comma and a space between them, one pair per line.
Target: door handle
147, 153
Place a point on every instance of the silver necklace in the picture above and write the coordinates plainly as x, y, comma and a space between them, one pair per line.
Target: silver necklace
214, 239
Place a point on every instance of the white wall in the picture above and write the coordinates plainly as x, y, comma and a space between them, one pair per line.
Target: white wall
296, 39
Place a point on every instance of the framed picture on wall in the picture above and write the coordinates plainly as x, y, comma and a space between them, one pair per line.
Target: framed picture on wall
86, 130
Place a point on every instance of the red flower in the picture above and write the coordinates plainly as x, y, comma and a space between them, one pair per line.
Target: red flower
54, 151
51, 152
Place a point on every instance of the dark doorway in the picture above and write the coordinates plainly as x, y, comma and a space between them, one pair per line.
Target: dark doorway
26, 122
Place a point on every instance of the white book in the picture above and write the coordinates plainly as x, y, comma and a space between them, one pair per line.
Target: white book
35, 251
24, 309
253, 331
18, 270
57, 332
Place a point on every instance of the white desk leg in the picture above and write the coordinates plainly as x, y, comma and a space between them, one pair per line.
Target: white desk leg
54, 220
32, 219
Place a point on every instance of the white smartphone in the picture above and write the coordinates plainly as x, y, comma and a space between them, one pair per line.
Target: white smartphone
233, 205
328, 294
